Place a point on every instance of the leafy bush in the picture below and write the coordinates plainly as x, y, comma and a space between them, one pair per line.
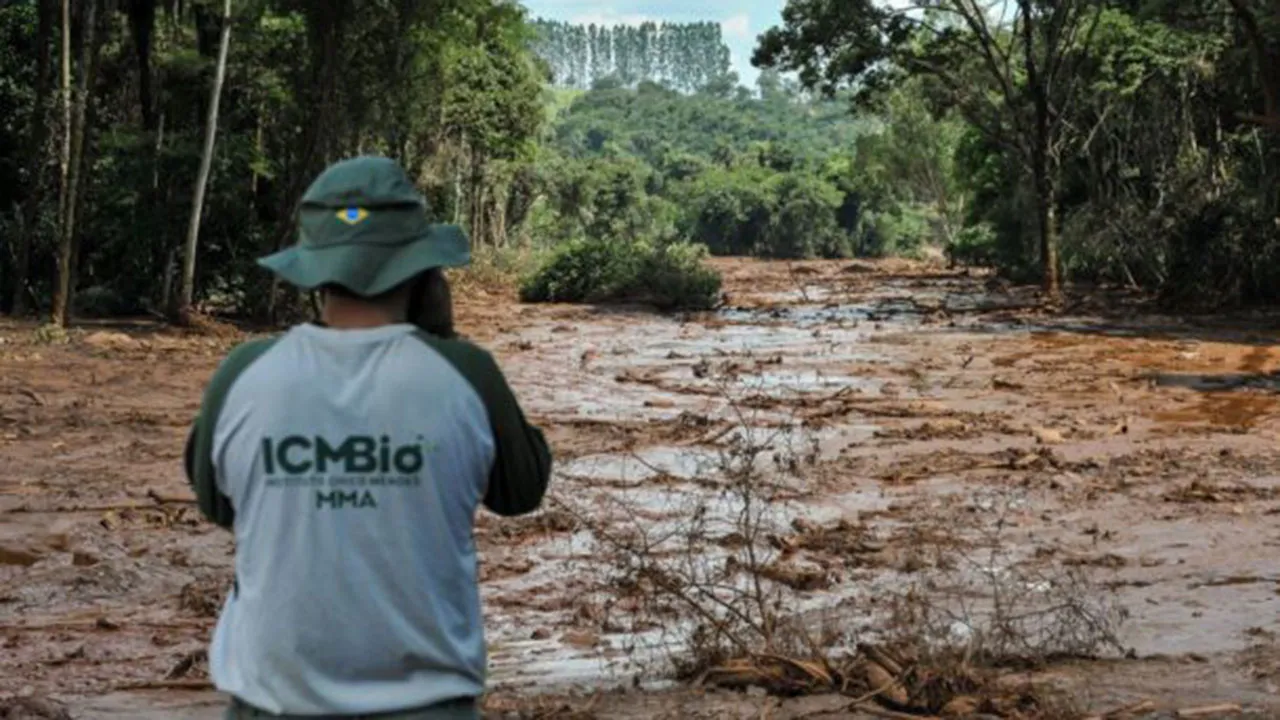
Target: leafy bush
756, 211
670, 275
674, 275
974, 245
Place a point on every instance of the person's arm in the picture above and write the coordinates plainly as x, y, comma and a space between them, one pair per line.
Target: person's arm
522, 459
522, 466
197, 456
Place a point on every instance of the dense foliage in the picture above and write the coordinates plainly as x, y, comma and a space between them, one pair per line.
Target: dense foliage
448, 87
1135, 141
686, 56
772, 173
1130, 140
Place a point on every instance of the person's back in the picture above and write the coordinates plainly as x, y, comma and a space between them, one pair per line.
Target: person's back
350, 463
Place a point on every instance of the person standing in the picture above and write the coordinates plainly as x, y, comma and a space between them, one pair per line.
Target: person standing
349, 457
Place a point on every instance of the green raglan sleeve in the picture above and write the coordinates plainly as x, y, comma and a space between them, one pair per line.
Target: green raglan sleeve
198, 454
522, 461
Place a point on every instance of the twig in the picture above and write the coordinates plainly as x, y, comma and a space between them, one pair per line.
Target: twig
168, 685
96, 624
804, 290
1142, 707
171, 499
31, 394
897, 679
1208, 710
157, 500
882, 712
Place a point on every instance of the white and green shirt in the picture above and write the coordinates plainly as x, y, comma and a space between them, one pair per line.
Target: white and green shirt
350, 465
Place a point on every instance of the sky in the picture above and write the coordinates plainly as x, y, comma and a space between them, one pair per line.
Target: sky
742, 20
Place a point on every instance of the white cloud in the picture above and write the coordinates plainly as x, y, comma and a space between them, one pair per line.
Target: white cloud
738, 26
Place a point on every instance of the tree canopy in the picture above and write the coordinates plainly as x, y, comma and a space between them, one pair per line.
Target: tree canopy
684, 56
1133, 140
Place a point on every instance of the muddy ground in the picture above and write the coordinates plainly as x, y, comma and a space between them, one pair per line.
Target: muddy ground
1137, 449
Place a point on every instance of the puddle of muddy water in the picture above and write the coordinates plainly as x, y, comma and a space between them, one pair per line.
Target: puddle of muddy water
808, 317
804, 381
643, 465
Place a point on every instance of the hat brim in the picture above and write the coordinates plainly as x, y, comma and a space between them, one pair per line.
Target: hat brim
370, 269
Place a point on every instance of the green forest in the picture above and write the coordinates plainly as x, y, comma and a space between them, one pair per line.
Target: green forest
150, 151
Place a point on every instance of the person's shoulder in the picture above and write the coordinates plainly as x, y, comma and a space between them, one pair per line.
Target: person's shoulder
455, 344
466, 356
244, 354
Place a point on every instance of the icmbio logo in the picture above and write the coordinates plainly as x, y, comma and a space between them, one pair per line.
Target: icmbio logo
342, 473
356, 455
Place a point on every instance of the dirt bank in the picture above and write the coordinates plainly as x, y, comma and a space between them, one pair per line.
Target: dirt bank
1139, 447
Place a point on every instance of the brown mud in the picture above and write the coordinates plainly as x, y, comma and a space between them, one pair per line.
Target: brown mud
1141, 446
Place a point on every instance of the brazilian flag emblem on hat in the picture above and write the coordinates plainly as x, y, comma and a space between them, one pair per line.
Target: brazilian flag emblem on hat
352, 215
363, 225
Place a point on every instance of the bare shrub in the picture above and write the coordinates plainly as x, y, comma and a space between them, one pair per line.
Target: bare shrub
719, 592
983, 600
708, 580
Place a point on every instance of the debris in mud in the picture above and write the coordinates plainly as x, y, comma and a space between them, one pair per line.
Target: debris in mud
18, 555
84, 558
777, 675
203, 597
108, 340
504, 568
797, 577
1201, 492
1108, 560
1206, 711
844, 540
999, 383
76, 653
895, 681
582, 640
194, 664
32, 708
936, 429
542, 707
548, 522
1048, 436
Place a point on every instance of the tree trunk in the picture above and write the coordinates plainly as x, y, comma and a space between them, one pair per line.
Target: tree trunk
39, 137
142, 24
182, 313
64, 156
1049, 241
99, 21
1267, 57
75, 169
1040, 146
476, 201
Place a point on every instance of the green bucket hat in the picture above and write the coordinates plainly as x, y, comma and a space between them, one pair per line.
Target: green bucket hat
364, 226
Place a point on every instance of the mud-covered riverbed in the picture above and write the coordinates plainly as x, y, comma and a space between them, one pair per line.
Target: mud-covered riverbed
1139, 448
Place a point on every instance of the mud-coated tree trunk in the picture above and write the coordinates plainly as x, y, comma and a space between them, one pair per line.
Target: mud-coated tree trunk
65, 287
182, 313
37, 160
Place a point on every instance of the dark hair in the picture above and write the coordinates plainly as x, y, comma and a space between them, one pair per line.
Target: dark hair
415, 283
345, 292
